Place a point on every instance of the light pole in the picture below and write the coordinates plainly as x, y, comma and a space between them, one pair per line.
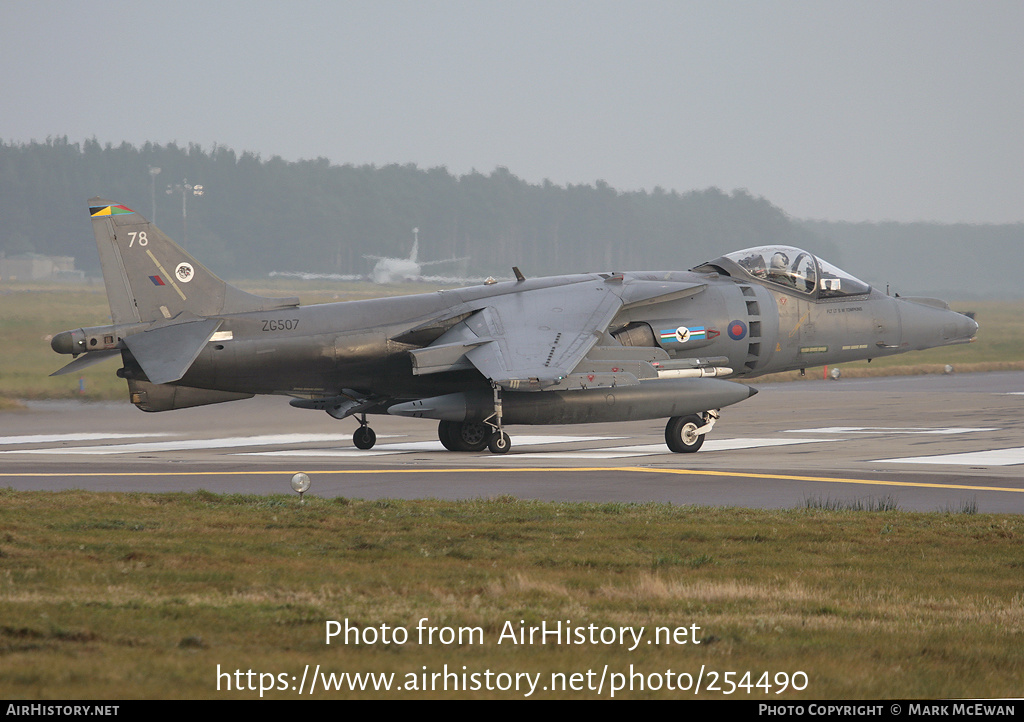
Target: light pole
185, 188
153, 173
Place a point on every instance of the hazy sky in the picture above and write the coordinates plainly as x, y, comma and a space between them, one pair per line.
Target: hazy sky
834, 110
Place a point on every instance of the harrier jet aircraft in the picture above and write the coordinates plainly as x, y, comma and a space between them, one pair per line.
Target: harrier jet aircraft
593, 347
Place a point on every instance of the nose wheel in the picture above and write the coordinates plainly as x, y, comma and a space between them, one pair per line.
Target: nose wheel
685, 434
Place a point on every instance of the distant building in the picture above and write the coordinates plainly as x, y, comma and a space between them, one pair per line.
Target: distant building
37, 267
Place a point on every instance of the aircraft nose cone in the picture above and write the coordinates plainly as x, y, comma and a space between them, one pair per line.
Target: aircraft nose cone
959, 328
970, 327
929, 322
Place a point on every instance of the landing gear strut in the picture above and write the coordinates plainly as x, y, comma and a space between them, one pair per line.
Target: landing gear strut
685, 434
363, 437
476, 435
499, 442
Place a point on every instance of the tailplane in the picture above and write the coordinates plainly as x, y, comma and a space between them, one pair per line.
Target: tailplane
149, 278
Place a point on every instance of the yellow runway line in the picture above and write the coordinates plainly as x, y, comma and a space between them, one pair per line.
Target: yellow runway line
547, 470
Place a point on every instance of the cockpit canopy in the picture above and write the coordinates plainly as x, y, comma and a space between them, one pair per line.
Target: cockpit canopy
793, 269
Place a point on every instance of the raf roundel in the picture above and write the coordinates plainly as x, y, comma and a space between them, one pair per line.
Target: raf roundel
737, 330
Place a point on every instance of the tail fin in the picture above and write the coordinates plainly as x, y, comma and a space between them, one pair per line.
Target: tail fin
150, 278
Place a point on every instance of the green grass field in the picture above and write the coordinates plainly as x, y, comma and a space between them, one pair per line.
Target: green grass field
125, 596
31, 314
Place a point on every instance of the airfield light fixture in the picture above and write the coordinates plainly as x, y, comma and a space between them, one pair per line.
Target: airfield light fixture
301, 483
153, 173
185, 188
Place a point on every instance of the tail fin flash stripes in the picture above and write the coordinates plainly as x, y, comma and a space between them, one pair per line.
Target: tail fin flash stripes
109, 210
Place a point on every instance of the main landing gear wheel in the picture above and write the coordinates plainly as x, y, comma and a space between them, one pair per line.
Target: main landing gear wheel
499, 443
463, 435
444, 434
364, 438
680, 436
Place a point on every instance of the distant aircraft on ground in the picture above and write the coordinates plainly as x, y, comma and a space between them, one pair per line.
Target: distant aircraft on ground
391, 270
594, 347
396, 270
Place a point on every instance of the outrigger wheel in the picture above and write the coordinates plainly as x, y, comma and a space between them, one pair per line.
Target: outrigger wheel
499, 443
363, 437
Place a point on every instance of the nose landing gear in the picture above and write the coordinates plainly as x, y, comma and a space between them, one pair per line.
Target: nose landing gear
685, 434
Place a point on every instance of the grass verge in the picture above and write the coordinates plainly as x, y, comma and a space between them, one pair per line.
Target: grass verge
147, 595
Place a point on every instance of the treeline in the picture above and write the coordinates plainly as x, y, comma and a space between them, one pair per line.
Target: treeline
953, 261
260, 215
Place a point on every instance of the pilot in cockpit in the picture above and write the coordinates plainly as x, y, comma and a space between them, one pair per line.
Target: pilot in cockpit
779, 270
754, 265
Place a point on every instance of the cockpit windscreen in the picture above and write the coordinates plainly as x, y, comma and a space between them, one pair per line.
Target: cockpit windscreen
798, 270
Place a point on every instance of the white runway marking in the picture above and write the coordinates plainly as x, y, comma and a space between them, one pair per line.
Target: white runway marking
56, 438
733, 444
887, 430
337, 446
350, 452
595, 454
190, 444
414, 446
650, 449
995, 457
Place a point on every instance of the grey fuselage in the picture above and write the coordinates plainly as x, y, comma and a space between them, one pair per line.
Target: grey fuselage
321, 350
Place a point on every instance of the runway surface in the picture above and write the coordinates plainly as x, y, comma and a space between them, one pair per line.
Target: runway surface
930, 443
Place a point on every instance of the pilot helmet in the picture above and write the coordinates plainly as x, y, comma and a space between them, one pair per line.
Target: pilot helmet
780, 261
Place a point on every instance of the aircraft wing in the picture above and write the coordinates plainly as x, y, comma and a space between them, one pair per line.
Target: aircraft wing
533, 339
85, 360
460, 280
318, 276
444, 260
